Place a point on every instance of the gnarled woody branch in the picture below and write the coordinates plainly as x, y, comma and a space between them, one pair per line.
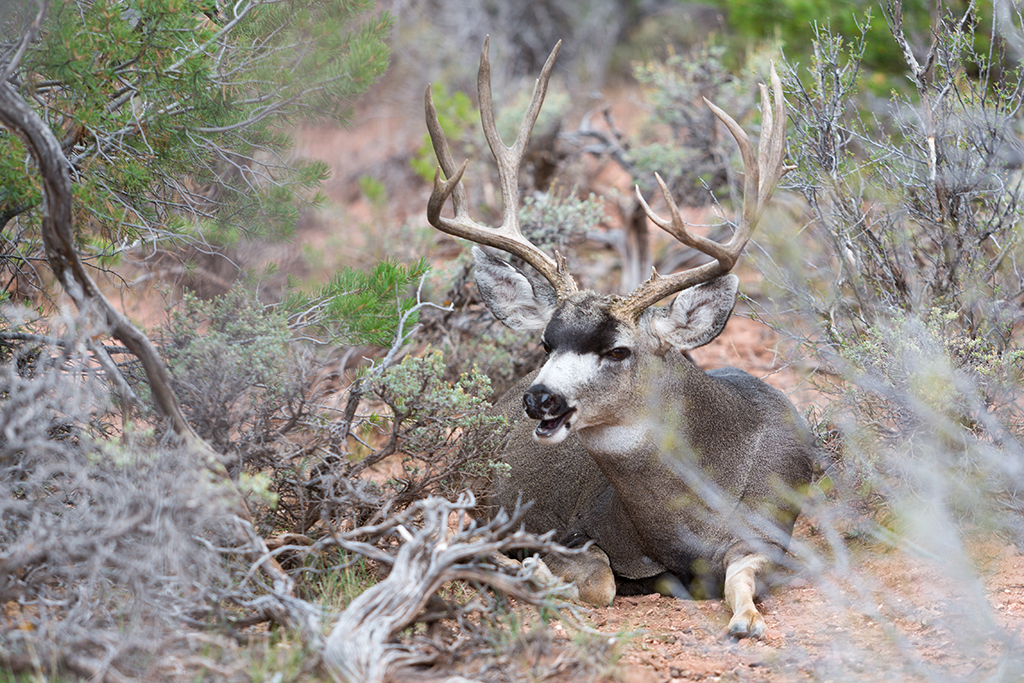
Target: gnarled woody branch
58, 240
361, 645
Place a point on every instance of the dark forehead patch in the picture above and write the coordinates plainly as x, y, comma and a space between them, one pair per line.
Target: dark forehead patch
583, 324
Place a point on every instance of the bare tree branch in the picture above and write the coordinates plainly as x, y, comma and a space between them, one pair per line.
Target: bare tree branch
439, 549
27, 37
58, 239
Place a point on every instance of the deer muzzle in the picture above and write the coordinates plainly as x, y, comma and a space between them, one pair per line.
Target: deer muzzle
551, 409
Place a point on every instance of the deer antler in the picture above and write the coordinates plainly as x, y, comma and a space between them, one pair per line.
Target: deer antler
762, 170
508, 236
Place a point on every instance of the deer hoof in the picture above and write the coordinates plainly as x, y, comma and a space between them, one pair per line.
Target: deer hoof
746, 624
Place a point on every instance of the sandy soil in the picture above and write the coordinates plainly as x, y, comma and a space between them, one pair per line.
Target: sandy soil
922, 627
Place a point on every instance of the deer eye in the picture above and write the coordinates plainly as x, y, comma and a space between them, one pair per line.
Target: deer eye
618, 353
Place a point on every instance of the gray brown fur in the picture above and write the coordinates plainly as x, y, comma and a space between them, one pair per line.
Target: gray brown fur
717, 472
666, 468
572, 494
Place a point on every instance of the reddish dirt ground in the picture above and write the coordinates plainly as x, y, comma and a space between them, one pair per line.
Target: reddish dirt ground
922, 627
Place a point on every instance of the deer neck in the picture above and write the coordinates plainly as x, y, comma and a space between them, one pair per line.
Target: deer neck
643, 460
664, 420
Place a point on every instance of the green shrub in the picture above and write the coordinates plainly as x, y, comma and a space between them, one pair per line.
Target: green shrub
794, 23
356, 307
233, 372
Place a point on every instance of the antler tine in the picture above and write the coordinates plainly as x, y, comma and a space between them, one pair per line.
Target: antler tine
763, 170
772, 146
508, 236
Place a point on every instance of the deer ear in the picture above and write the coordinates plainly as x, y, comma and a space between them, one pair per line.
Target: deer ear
523, 302
697, 315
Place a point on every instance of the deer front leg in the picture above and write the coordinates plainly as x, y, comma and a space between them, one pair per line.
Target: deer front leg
740, 583
590, 572
589, 575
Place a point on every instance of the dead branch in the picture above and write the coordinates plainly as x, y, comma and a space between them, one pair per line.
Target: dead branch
437, 550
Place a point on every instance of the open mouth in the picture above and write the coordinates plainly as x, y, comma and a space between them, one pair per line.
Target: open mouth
548, 428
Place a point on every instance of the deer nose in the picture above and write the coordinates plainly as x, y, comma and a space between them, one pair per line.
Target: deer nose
540, 402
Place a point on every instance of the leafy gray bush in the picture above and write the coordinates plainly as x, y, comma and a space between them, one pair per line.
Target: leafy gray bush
909, 271
106, 546
123, 556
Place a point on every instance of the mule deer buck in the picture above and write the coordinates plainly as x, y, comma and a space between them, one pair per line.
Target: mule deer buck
674, 474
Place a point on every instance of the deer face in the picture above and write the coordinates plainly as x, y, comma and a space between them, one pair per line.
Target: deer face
589, 352
598, 361
600, 348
